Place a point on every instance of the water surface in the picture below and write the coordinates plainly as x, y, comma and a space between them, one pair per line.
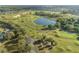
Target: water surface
45, 21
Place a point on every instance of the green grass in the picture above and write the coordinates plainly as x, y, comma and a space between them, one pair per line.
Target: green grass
66, 42
67, 35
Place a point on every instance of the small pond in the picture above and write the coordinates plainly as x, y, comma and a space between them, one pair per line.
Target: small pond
45, 21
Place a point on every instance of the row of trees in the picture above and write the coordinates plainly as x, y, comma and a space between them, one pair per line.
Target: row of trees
70, 25
48, 14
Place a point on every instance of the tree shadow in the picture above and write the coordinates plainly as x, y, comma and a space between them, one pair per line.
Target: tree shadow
46, 29
6, 25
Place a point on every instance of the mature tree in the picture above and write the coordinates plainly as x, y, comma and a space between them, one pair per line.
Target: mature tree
50, 26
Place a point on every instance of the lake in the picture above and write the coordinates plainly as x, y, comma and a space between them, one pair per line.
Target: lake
45, 21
